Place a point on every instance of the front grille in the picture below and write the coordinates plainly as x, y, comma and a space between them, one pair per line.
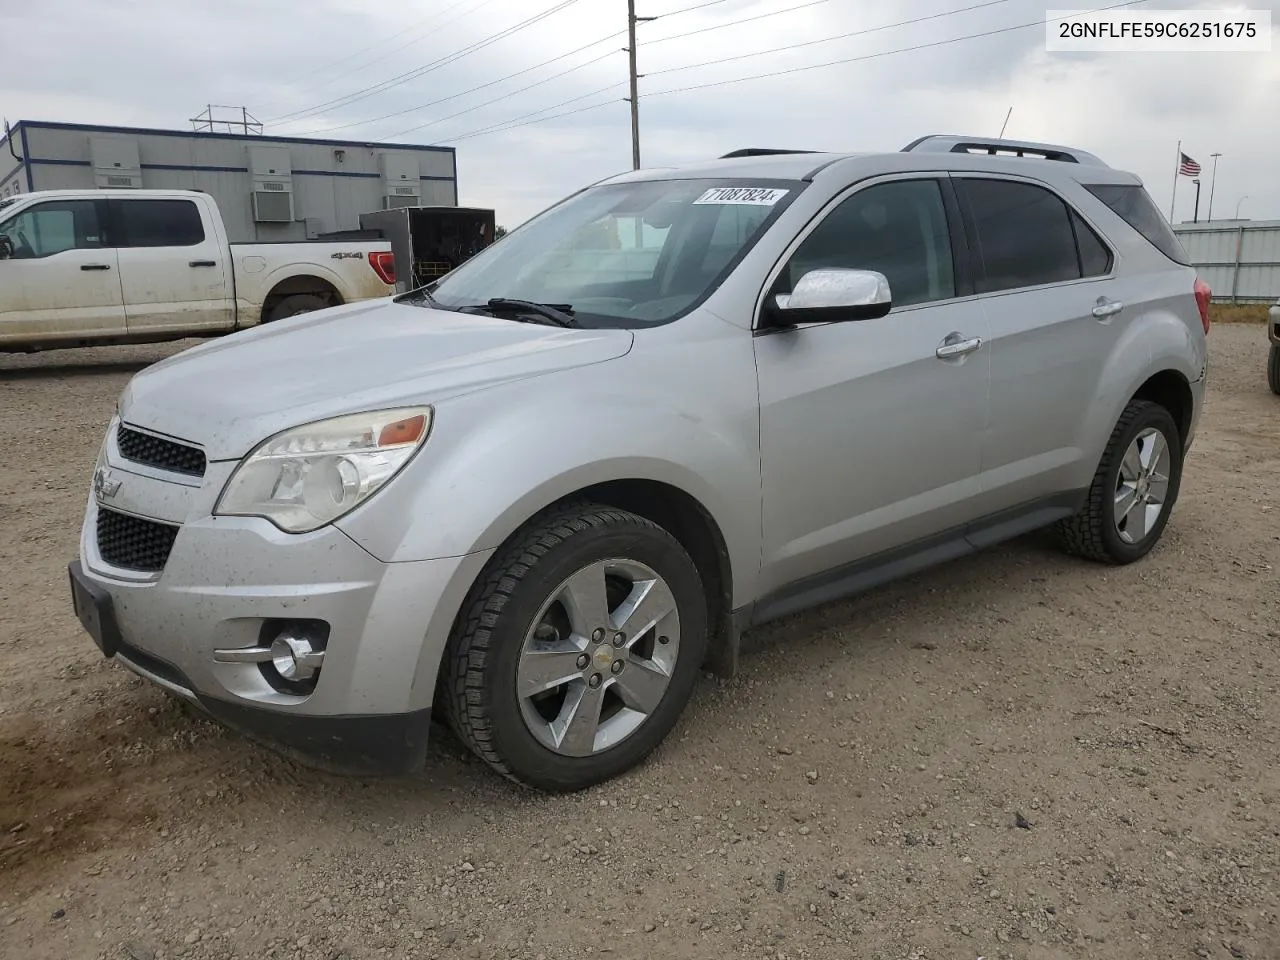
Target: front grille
134, 543
160, 453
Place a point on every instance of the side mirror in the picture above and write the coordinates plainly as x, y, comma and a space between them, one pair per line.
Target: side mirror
6, 247
832, 295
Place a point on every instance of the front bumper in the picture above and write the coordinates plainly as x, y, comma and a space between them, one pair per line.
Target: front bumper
227, 584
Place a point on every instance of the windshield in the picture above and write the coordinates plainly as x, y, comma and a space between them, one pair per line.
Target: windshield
624, 255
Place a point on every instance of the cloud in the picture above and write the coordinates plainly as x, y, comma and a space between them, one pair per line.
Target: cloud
158, 62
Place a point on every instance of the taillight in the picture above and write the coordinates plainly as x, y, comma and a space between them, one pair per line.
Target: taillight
384, 265
1203, 293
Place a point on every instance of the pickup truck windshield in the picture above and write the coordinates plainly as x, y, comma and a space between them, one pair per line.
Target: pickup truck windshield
624, 255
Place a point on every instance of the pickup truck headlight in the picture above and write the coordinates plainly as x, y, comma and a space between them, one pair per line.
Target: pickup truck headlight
309, 476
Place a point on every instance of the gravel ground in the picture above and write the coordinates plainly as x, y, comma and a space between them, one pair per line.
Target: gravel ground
1018, 755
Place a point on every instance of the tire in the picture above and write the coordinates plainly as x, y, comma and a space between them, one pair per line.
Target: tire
1273, 369
298, 303
1096, 532
513, 615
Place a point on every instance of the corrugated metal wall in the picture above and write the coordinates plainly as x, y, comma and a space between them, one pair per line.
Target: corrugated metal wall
1238, 259
333, 181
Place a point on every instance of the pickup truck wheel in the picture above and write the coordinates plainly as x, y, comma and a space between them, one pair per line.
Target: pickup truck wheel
296, 304
577, 650
1133, 490
1273, 369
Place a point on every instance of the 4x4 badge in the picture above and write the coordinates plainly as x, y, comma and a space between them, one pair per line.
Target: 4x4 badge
105, 485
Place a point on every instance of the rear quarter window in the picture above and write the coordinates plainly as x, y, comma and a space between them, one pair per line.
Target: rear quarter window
1134, 206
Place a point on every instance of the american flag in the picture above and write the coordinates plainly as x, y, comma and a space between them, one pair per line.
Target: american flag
1188, 167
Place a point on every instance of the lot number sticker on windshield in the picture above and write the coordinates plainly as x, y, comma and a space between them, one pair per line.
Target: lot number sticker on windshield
754, 196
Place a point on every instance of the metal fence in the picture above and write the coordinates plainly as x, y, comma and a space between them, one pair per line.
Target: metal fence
1238, 259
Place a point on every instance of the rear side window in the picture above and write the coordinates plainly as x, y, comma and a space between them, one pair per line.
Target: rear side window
1133, 205
1024, 234
159, 223
1095, 257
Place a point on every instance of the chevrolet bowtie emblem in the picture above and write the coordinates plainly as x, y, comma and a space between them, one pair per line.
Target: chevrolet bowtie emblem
104, 484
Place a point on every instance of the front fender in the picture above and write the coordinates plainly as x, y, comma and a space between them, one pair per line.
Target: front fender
497, 457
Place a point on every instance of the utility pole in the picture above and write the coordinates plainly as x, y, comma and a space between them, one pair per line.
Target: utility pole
1213, 182
632, 20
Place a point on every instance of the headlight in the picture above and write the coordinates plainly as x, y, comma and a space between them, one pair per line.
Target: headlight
311, 475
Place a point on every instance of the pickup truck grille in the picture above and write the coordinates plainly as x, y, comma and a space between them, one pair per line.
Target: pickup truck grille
134, 543
160, 453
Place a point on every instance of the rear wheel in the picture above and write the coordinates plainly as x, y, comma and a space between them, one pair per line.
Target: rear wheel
577, 652
297, 303
1133, 490
1273, 369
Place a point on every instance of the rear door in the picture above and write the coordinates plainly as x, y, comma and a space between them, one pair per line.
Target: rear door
1042, 272
62, 280
173, 266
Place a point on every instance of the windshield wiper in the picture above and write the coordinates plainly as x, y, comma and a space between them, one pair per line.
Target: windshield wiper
561, 314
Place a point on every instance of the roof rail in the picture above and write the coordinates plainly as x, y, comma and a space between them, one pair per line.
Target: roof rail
947, 143
760, 152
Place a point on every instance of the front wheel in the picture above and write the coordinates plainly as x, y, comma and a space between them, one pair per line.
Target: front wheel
1133, 490
577, 651
1273, 369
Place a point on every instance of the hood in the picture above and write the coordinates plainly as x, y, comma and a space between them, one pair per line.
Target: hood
232, 393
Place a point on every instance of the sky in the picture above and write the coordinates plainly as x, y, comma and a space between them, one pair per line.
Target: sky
409, 72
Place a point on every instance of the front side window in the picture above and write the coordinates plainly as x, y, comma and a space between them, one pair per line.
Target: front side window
624, 255
51, 228
160, 223
1024, 232
898, 229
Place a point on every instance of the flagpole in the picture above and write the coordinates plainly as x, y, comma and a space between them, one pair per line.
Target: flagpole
1177, 165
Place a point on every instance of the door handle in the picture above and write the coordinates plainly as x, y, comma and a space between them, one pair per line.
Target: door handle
1107, 308
94, 266
957, 345
203, 263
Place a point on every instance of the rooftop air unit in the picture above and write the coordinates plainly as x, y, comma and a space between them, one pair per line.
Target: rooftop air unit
272, 175
115, 162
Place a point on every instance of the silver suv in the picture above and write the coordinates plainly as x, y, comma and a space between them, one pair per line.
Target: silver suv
540, 493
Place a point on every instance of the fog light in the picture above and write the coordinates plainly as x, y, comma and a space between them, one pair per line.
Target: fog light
294, 658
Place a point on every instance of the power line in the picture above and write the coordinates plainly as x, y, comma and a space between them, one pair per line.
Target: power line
424, 69
841, 36
886, 53
385, 54
696, 6
524, 116
503, 128
483, 86
505, 96
373, 46
516, 122
734, 23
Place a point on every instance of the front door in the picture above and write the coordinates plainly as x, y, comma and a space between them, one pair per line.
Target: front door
61, 281
870, 439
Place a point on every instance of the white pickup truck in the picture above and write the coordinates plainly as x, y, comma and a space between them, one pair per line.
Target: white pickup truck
84, 267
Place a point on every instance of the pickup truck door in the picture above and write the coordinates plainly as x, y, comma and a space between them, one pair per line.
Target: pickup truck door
174, 266
61, 281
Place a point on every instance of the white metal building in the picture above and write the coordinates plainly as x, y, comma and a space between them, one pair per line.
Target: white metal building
268, 188
1238, 259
